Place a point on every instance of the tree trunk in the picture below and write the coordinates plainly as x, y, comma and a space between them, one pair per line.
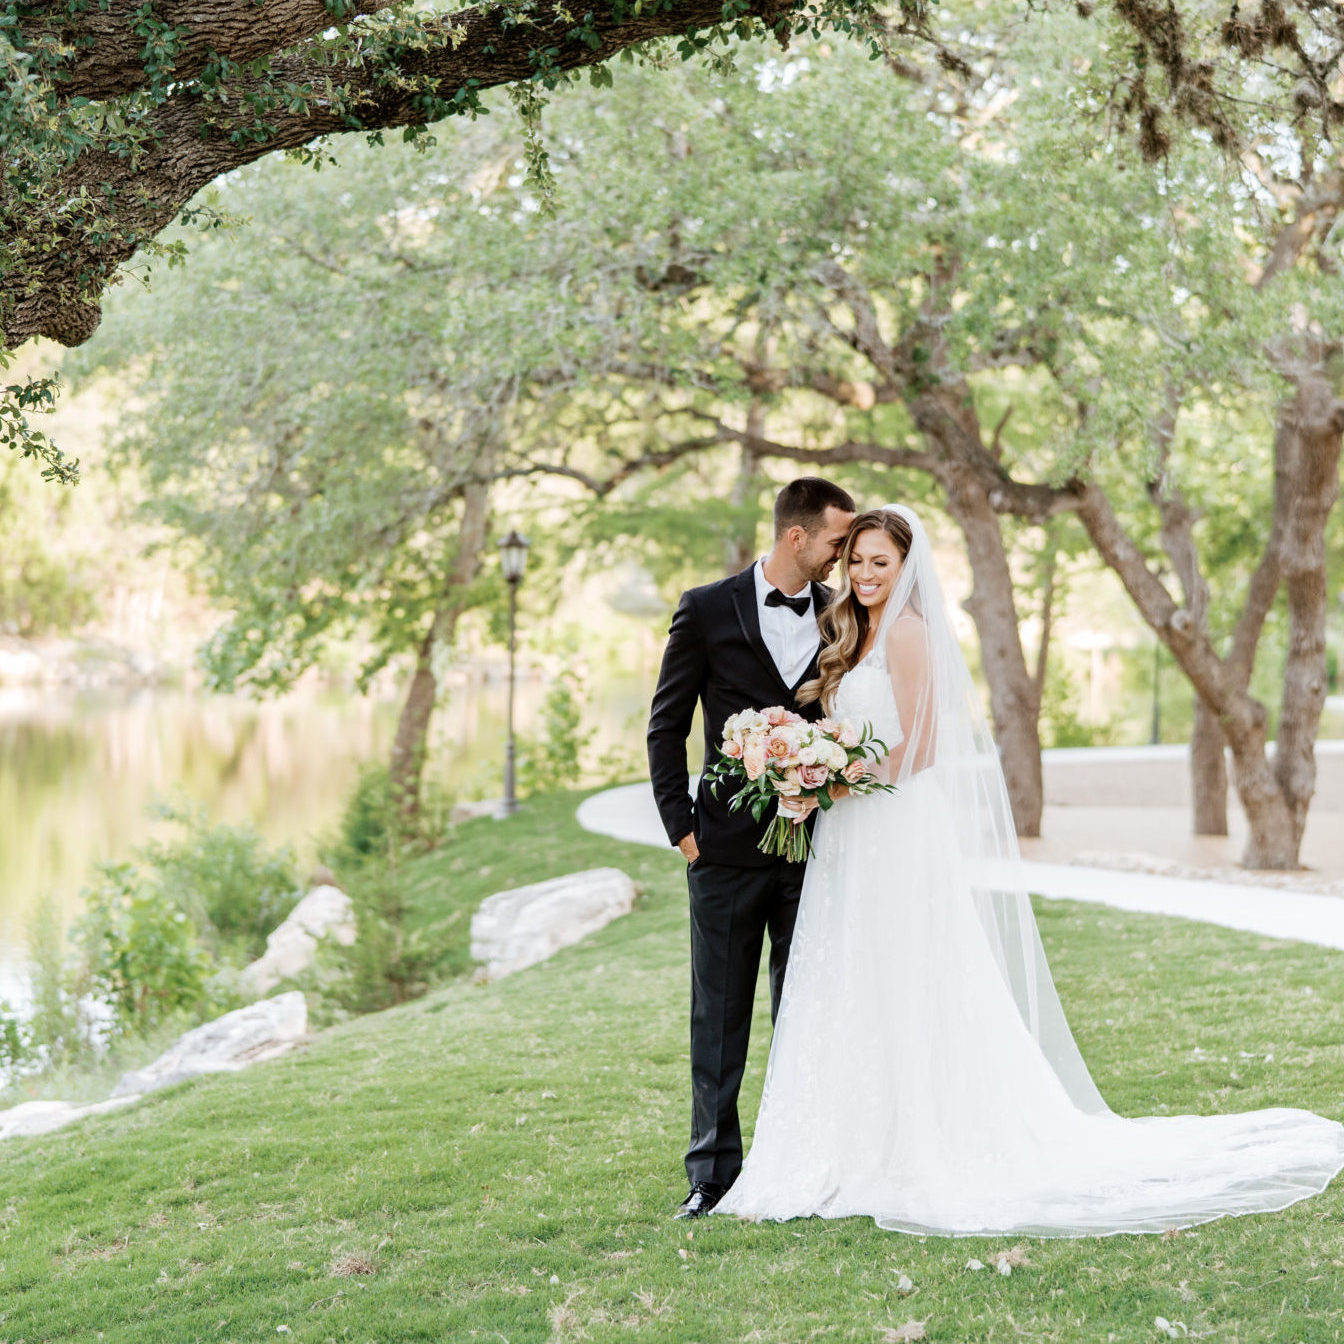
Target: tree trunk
1208, 764
408, 747
1272, 843
407, 763
1309, 439
1208, 772
1014, 697
740, 550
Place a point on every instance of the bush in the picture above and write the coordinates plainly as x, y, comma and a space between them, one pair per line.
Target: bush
139, 951
1061, 724
385, 965
555, 761
369, 820
374, 829
16, 1042
225, 879
59, 1028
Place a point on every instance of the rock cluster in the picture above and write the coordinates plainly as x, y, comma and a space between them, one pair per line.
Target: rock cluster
510, 930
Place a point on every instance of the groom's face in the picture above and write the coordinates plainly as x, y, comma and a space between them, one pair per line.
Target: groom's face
819, 550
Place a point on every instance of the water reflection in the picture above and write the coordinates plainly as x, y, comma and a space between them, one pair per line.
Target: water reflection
77, 774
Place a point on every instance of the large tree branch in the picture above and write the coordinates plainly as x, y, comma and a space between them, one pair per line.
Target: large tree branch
108, 42
193, 138
1316, 211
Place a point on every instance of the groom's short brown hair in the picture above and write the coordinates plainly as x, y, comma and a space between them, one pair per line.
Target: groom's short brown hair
803, 503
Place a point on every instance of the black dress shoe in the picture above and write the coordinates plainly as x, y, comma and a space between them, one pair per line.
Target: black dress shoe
703, 1197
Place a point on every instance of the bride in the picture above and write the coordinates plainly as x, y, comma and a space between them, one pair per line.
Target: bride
922, 1072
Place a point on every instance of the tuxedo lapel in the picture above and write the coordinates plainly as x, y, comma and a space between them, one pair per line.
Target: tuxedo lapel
749, 618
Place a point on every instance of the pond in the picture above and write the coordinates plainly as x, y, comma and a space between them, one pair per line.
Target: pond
79, 775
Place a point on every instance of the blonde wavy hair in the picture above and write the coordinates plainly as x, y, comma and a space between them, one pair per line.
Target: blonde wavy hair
845, 622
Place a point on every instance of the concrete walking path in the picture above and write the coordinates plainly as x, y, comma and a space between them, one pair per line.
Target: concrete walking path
628, 813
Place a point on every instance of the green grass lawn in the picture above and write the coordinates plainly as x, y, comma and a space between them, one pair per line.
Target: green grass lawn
500, 1162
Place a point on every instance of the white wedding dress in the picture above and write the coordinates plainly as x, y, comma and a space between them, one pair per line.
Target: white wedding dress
922, 1073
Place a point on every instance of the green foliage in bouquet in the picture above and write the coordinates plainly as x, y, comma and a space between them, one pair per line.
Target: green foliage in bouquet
764, 750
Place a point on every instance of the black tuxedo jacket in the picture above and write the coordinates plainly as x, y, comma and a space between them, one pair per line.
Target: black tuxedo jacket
715, 655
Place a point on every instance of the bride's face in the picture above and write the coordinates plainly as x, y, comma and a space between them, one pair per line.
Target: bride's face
874, 563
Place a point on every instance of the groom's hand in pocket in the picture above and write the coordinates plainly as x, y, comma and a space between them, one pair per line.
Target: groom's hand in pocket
689, 849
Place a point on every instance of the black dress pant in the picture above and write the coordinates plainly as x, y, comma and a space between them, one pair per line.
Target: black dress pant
732, 910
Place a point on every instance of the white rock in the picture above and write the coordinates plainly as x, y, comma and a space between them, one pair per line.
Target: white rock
259, 1031
41, 1117
514, 929
325, 912
480, 807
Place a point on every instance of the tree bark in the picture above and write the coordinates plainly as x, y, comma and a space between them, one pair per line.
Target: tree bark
1271, 843
114, 203
407, 763
406, 767
740, 550
946, 416
108, 46
1208, 763
1308, 438
1014, 695
1208, 772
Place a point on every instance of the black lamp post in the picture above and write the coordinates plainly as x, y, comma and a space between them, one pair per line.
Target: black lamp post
512, 561
1155, 733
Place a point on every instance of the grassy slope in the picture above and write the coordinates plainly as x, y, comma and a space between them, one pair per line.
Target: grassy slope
504, 1160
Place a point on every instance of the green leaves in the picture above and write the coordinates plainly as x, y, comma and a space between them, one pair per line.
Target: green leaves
19, 401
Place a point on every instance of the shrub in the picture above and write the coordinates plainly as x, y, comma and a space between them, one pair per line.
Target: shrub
385, 965
225, 879
374, 829
1061, 724
16, 1042
369, 819
139, 951
555, 760
59, 1028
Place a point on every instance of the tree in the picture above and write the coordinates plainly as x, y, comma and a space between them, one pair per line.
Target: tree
327, 446
114, 116
1129, 292
981, 298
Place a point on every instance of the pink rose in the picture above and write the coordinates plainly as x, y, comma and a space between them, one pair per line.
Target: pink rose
790, 786
848, 737
733, 749
813, 776
854, 772
827, 726
776, 715
754, 760
777, 748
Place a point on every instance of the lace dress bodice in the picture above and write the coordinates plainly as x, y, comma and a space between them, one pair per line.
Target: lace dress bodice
864, 697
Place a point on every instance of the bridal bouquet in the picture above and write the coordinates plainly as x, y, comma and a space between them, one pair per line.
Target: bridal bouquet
777, 754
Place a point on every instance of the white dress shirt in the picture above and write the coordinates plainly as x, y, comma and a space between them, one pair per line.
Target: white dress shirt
791, 639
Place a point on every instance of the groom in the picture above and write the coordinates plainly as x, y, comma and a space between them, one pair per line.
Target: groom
745, 642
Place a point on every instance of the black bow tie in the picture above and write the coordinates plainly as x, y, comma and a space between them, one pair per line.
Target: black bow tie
797, 605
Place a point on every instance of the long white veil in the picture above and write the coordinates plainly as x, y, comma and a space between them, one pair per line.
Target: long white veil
947, 733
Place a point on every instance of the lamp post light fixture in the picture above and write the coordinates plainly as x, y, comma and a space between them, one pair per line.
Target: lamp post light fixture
512, 561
